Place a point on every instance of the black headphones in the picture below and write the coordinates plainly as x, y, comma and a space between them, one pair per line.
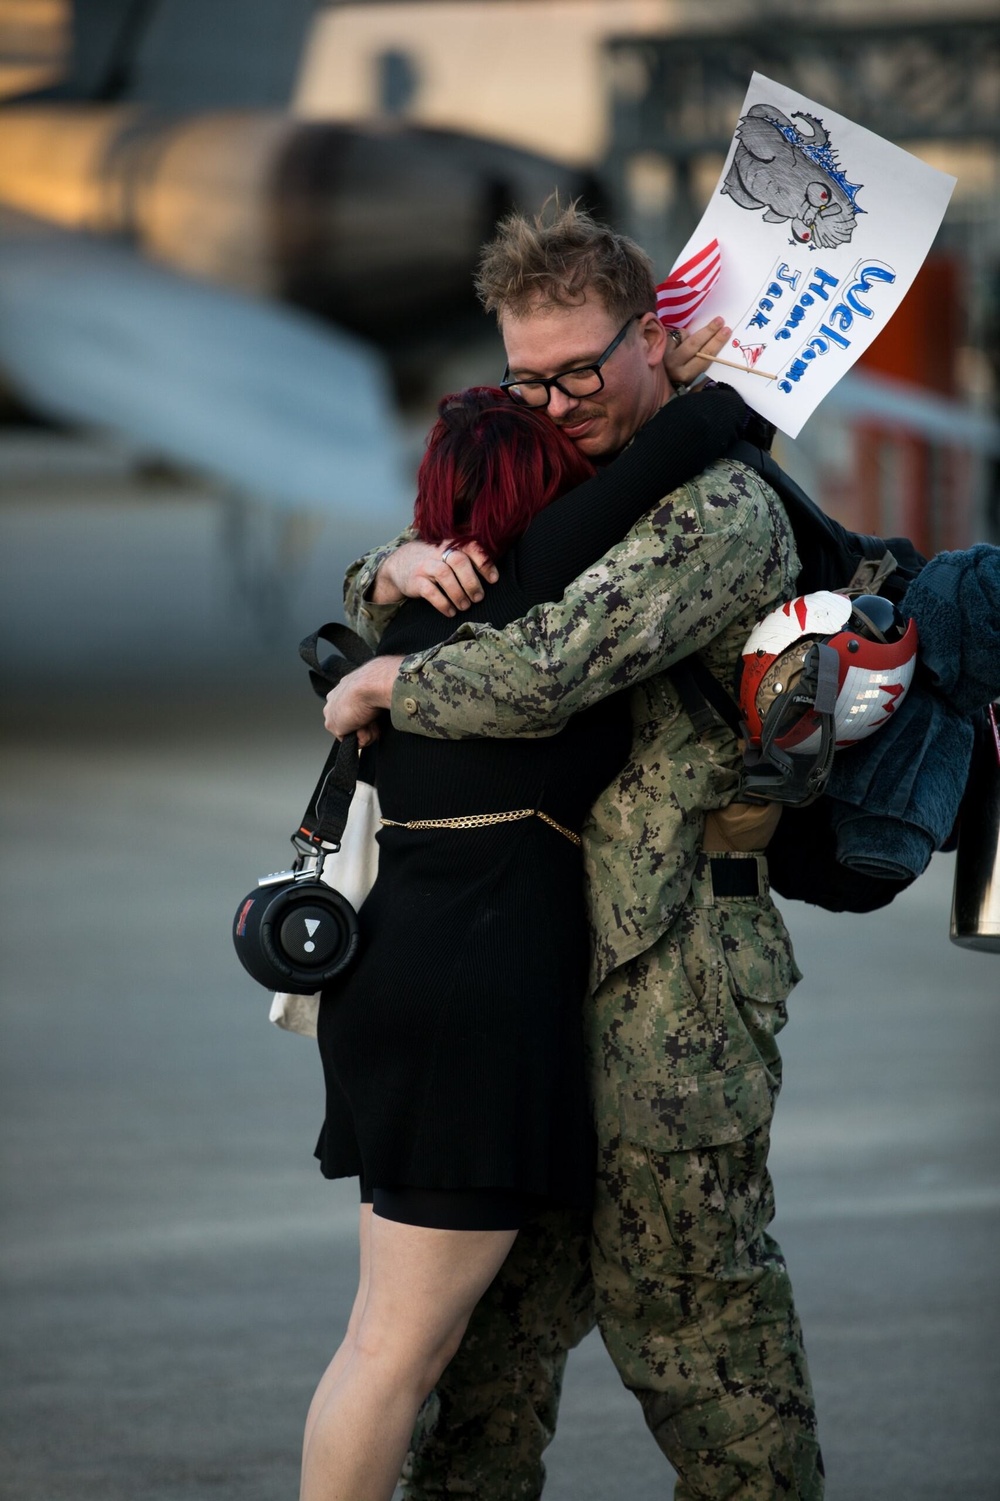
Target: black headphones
293, 932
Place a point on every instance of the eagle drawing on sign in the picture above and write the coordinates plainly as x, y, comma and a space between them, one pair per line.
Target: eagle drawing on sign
795, 177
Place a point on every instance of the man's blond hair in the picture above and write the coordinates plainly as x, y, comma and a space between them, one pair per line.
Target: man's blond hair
559, 257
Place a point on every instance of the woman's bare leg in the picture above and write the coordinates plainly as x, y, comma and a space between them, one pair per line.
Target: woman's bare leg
422, 1287
343, 1354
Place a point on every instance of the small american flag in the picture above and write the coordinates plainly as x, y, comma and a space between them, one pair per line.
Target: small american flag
685, 289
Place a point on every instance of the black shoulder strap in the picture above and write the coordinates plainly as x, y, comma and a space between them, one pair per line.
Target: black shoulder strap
326, 674
703, 696
831, 556
324, 820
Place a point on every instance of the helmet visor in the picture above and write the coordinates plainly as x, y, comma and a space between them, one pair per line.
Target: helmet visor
876, 618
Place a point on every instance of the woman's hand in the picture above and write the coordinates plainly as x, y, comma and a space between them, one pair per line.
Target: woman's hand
445, 573
689, 353
354, 705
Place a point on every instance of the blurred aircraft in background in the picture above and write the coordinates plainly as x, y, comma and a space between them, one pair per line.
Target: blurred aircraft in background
187, 266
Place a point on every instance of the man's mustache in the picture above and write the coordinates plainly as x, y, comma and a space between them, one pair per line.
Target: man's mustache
574, 419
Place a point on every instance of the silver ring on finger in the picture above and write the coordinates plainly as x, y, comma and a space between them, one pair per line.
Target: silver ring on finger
447, 553
675, 336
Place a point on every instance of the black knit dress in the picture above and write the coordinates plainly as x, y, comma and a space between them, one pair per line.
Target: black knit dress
452, 1051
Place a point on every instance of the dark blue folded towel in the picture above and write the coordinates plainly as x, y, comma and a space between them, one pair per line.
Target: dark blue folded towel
895, 796
955, 602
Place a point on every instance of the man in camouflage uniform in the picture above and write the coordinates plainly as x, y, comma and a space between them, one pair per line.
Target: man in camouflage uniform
692, 965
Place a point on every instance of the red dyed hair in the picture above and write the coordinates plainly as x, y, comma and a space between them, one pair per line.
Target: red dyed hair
490, 466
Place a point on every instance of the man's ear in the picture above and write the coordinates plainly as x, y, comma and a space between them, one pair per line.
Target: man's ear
654, 335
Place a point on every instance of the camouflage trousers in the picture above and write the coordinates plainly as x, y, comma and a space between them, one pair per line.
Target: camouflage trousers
690, 1291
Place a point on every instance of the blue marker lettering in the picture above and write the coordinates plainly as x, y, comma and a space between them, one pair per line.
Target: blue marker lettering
823, 280
863, 284
831, 333
842, 316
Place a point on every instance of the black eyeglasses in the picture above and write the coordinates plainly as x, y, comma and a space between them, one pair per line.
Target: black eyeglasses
585, 380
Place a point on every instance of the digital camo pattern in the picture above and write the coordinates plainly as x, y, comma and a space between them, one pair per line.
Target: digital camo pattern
693, 1297
696, 574
370, 620
692, 1293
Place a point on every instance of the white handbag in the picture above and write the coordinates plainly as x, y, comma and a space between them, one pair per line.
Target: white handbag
351, 870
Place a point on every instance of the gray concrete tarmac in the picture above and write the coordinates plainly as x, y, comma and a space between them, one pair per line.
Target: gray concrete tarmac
175, 1271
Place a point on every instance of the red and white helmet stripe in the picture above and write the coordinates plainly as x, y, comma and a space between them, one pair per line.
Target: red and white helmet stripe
873, 675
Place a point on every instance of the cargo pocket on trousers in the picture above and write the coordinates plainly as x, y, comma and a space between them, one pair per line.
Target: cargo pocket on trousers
704, 1139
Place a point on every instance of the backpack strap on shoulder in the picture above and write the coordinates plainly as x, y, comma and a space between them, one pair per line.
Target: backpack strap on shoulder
831, 556
705, 700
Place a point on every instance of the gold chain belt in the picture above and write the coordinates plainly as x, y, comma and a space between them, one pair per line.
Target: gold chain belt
482, 821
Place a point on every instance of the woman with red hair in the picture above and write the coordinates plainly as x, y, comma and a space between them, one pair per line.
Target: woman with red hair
453, 1050
490, 465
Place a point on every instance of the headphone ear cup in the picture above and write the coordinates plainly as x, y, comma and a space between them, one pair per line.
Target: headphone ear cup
296, 936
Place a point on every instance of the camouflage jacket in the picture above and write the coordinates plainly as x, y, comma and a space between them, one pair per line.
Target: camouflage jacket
694, 575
